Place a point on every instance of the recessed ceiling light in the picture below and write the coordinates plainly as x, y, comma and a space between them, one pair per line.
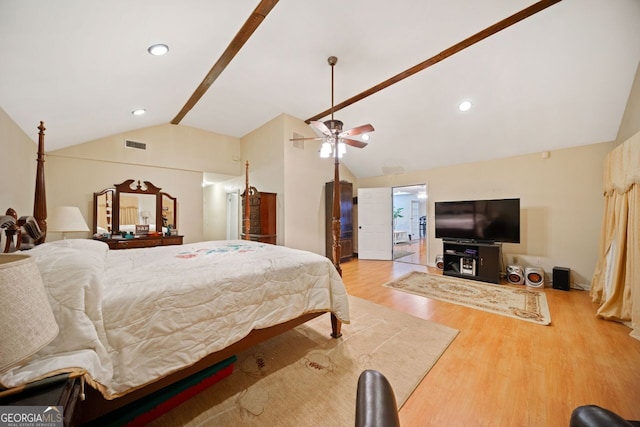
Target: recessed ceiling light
464, 105
158, 49
139, 112
365, 136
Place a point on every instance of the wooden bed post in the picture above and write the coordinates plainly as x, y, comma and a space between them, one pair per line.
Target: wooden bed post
336, 325
247, 217
40, 198
335, 223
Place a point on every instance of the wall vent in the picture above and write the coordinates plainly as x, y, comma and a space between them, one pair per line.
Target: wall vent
298, 144
135, 144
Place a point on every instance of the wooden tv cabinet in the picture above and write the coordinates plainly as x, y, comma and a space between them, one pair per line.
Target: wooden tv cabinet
476, 261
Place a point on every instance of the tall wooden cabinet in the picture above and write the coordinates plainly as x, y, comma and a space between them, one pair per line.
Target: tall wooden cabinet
262, 209
346, 220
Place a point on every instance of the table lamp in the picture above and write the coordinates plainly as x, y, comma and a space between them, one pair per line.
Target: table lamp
27, 323
66, 219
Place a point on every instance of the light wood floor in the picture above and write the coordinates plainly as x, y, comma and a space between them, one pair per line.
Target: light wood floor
506, 372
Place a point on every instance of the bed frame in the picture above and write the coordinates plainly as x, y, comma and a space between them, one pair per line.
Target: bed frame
95, 404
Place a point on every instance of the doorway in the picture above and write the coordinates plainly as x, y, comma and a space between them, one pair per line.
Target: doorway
233, 215
410, 224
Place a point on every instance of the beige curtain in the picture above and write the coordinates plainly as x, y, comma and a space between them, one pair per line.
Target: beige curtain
129, 210
616, 280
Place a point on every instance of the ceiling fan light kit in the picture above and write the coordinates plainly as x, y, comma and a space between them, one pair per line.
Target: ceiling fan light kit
330, 131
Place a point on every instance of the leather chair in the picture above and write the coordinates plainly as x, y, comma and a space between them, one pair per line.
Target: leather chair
595, 416
375, 401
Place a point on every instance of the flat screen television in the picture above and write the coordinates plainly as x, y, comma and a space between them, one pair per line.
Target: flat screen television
495, 220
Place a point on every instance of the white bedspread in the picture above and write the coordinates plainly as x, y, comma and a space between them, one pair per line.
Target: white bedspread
131, 316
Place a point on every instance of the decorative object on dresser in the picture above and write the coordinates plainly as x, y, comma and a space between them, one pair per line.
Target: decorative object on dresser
135, 215
346, 220
67, 219
27, 323
262, 217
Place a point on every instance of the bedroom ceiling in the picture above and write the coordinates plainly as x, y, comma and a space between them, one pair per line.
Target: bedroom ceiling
560, 78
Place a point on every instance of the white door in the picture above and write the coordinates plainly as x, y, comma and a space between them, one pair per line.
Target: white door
375, 223
233, 216
415, 219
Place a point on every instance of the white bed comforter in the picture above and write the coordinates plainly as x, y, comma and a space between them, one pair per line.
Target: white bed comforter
132, 316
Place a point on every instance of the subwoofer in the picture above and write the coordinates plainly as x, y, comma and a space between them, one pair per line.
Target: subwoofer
440, 262
561, 278
515, 274
534, 277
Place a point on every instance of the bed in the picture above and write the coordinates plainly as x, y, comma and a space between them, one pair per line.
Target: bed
135, 321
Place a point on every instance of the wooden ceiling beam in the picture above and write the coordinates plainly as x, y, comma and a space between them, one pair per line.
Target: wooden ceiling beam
469, 41
251, 24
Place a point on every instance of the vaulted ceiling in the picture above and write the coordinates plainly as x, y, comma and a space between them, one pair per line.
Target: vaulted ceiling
558, 78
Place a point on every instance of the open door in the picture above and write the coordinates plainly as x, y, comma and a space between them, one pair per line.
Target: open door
375, 225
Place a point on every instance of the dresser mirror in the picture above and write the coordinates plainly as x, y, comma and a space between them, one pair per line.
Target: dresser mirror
102, 209
120, 209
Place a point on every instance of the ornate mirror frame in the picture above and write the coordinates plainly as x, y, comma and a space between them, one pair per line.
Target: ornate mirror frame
165, 204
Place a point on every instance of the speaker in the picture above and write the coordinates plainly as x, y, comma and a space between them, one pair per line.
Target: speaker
515, 274
534, 277
561, 278
440, 262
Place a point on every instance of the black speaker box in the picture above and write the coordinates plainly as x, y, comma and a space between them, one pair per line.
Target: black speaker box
561, 278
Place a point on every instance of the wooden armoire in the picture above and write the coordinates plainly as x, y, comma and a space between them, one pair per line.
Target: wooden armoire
346, 220
262, 216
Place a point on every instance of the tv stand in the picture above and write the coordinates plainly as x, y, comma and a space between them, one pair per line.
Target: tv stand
469, 260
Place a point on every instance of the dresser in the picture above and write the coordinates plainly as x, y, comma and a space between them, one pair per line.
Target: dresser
141, 241
262, 216
346, 220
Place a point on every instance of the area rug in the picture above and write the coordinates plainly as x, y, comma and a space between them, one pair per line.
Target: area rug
305, 378
519, 303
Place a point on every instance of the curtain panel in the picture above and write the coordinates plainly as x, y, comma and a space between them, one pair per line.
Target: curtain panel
616, 281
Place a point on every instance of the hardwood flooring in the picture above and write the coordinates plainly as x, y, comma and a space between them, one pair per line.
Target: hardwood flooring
505, 372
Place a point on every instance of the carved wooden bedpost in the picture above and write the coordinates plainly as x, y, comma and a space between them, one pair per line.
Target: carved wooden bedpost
247, 217
40, 198
336, 325
335, 223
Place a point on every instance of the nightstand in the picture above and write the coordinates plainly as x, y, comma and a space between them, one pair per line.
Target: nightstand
64, 392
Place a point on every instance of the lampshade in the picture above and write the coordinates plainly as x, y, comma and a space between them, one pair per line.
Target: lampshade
66, 219
27, 323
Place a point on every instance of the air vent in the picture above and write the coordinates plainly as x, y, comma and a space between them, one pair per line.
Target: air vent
136, 145
298, 144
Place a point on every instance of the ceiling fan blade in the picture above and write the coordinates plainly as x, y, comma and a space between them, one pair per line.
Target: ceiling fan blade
320, 126
353, 142
357, 130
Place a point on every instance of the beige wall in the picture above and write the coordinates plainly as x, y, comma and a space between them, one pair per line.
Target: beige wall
174, 160
630, 124
17, 166
561, 203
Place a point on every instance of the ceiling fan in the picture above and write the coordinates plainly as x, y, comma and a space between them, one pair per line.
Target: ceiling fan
331, 131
